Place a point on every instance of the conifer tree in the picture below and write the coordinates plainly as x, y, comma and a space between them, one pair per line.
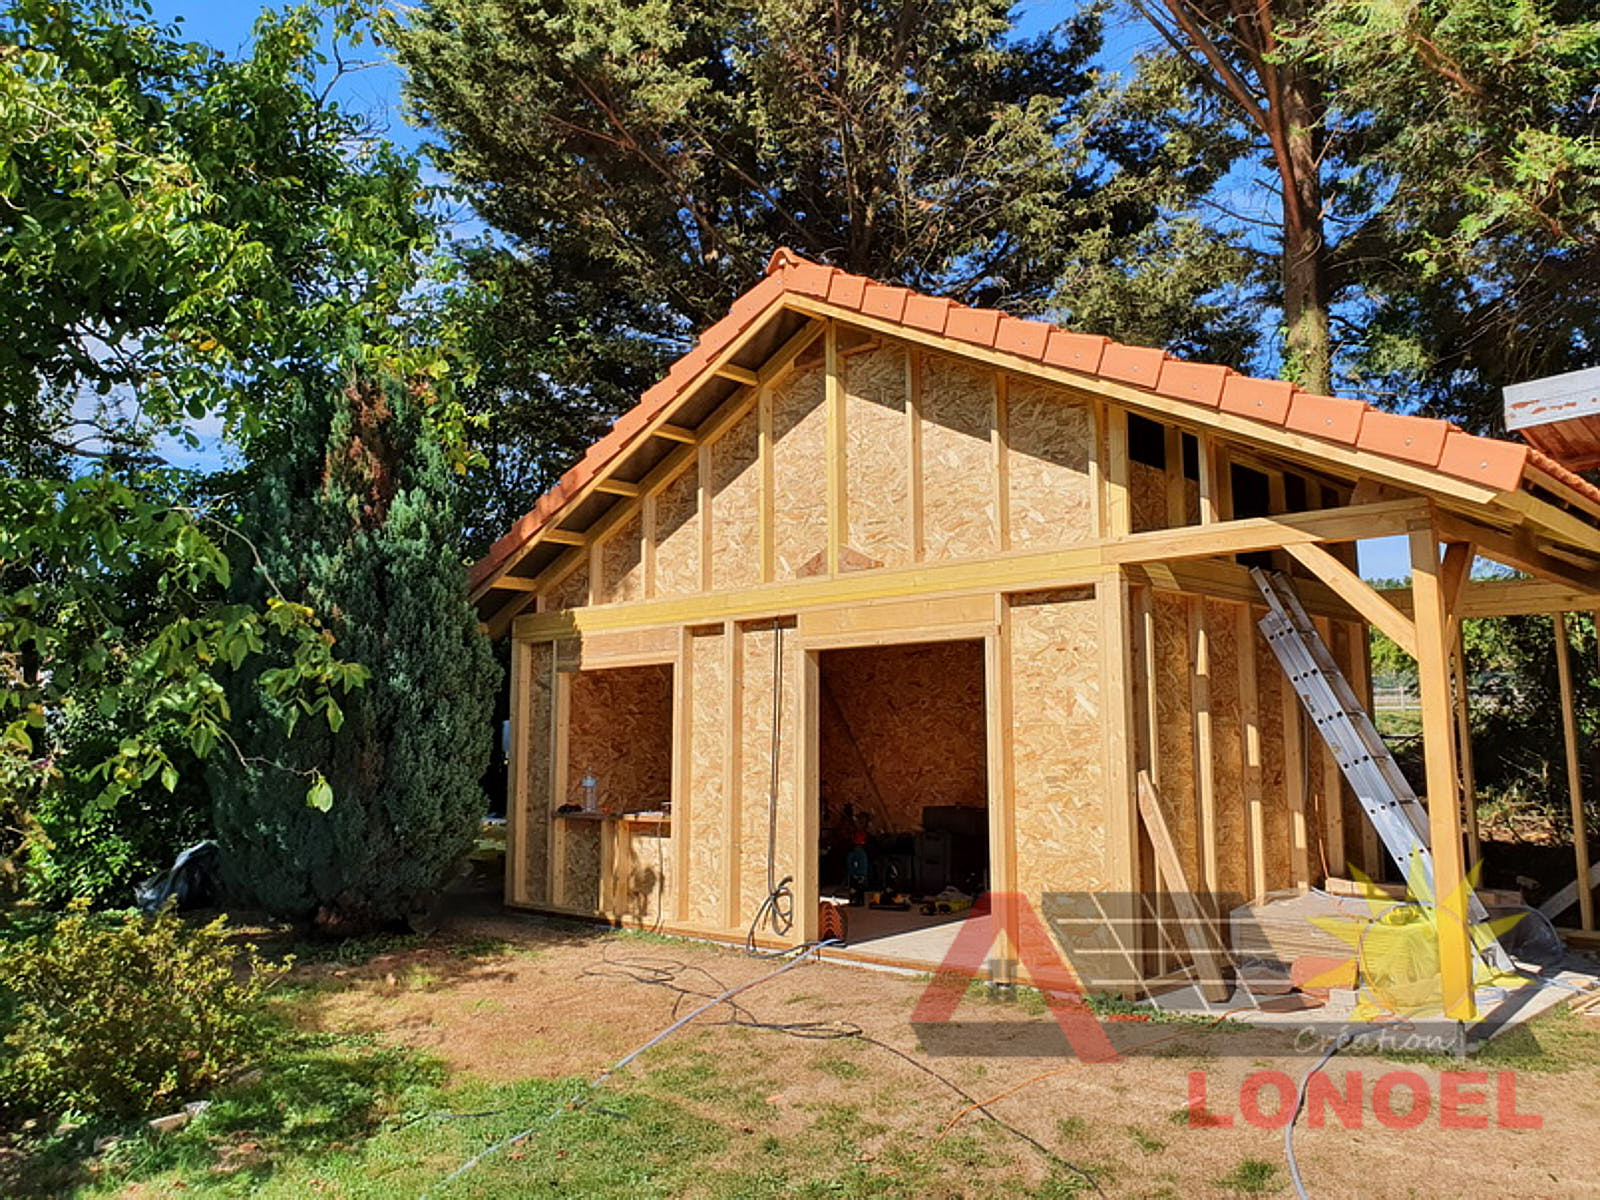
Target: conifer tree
358, 518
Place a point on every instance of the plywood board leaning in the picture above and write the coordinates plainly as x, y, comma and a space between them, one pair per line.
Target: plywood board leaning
958, 488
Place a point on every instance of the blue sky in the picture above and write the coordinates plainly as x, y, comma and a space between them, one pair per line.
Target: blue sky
375, 91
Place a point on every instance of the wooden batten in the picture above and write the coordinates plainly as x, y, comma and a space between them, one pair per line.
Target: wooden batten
1569, 729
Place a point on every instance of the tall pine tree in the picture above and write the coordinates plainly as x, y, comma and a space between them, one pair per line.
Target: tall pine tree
356, 518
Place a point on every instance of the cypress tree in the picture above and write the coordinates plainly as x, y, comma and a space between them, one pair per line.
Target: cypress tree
363, 533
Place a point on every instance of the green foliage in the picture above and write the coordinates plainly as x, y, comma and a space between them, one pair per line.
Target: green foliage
190, 240
125, 1015
357, 515
641, 162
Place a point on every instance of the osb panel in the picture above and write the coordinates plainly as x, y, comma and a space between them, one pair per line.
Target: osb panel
1147, 494
708, 765
581, 881
755, 760
1174, 717
622, 563
1057, 747
621, 733
958, 472
1270, 685
645, 887
1049, 442
877, 455
799, 470
736, 505
1227, 735
535, 817
902, 729
678, 535
571, 592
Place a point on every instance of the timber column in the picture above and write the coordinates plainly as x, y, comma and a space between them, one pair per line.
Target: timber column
1432, 612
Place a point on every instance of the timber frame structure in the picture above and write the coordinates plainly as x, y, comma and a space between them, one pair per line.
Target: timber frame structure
843, 464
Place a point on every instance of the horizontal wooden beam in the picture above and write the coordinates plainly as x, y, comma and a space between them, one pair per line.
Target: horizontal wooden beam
617, 487
516, 583
1252, 534
739, 374
562, 537
1517, 548
1358, 594
1517, 597
675, 433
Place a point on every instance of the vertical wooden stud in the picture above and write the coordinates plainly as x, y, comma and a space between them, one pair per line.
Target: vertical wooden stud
703, 478
914, 442
1250, 750
1097, 469
807, 887
560, 730
834, 401
1432, 615
647, 531
519, 809
682, 769
1002, 814
768, 535
1202, 741
1569, 730
1372, 852
999, 436
1177, 497
1119, 505
1209, 504
1469, 782
1223, 480
597, 590
733, 766
1294, 786
1117, 676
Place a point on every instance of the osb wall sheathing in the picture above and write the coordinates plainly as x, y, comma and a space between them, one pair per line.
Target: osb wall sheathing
958, 470
620, 731
1270, 687
535, 816
581, 865
755, 761
644, 887
571, 592
1049, 442
1175, 733
877, 455
902, 729
799, 468
1227, 740
678, 535
736, 505
1147, 496
1057, 743
707, 801
622, 563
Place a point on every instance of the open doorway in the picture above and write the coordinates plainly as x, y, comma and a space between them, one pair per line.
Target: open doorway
903, 788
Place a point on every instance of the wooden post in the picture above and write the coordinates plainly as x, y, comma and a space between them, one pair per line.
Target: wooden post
1294, 784
1002, 814
1372, 853
999, 437
807, 883
1332, 785
1118, 506
1122, 819
518, 809
834, 403
1432, 616
914, 443
682, 769
1210, 503
560, 731
733, 766
1177, 493
1202, 740
767, 540
1569, 730
1250, 750
1469, 782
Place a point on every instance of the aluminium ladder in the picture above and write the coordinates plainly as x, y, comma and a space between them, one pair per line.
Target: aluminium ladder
1343, 722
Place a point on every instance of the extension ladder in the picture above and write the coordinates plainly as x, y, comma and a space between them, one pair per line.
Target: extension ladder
1343, 722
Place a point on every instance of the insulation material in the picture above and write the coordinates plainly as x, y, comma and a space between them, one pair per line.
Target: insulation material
799, 468
1174, 718
1227, 741
534, 818
902, 728
958, 466
622, 563
572, 591
755, 762
1049, 442
678, 535
736, 505
707, 825
877, 455
1057, 743
620, 731
1147, 496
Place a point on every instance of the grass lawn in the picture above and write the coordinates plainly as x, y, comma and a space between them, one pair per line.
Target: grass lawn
401, 1060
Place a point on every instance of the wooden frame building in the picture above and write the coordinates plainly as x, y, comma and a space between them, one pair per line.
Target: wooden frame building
992, 546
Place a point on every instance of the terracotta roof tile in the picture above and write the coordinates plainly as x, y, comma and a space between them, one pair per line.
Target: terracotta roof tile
1413, 439
1076, 351
1200, 383
1131, 364
1493, 463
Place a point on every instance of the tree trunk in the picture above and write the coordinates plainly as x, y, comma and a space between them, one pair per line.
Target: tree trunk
1308, 343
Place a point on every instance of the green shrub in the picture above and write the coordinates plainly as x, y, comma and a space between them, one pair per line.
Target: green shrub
125, 1015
